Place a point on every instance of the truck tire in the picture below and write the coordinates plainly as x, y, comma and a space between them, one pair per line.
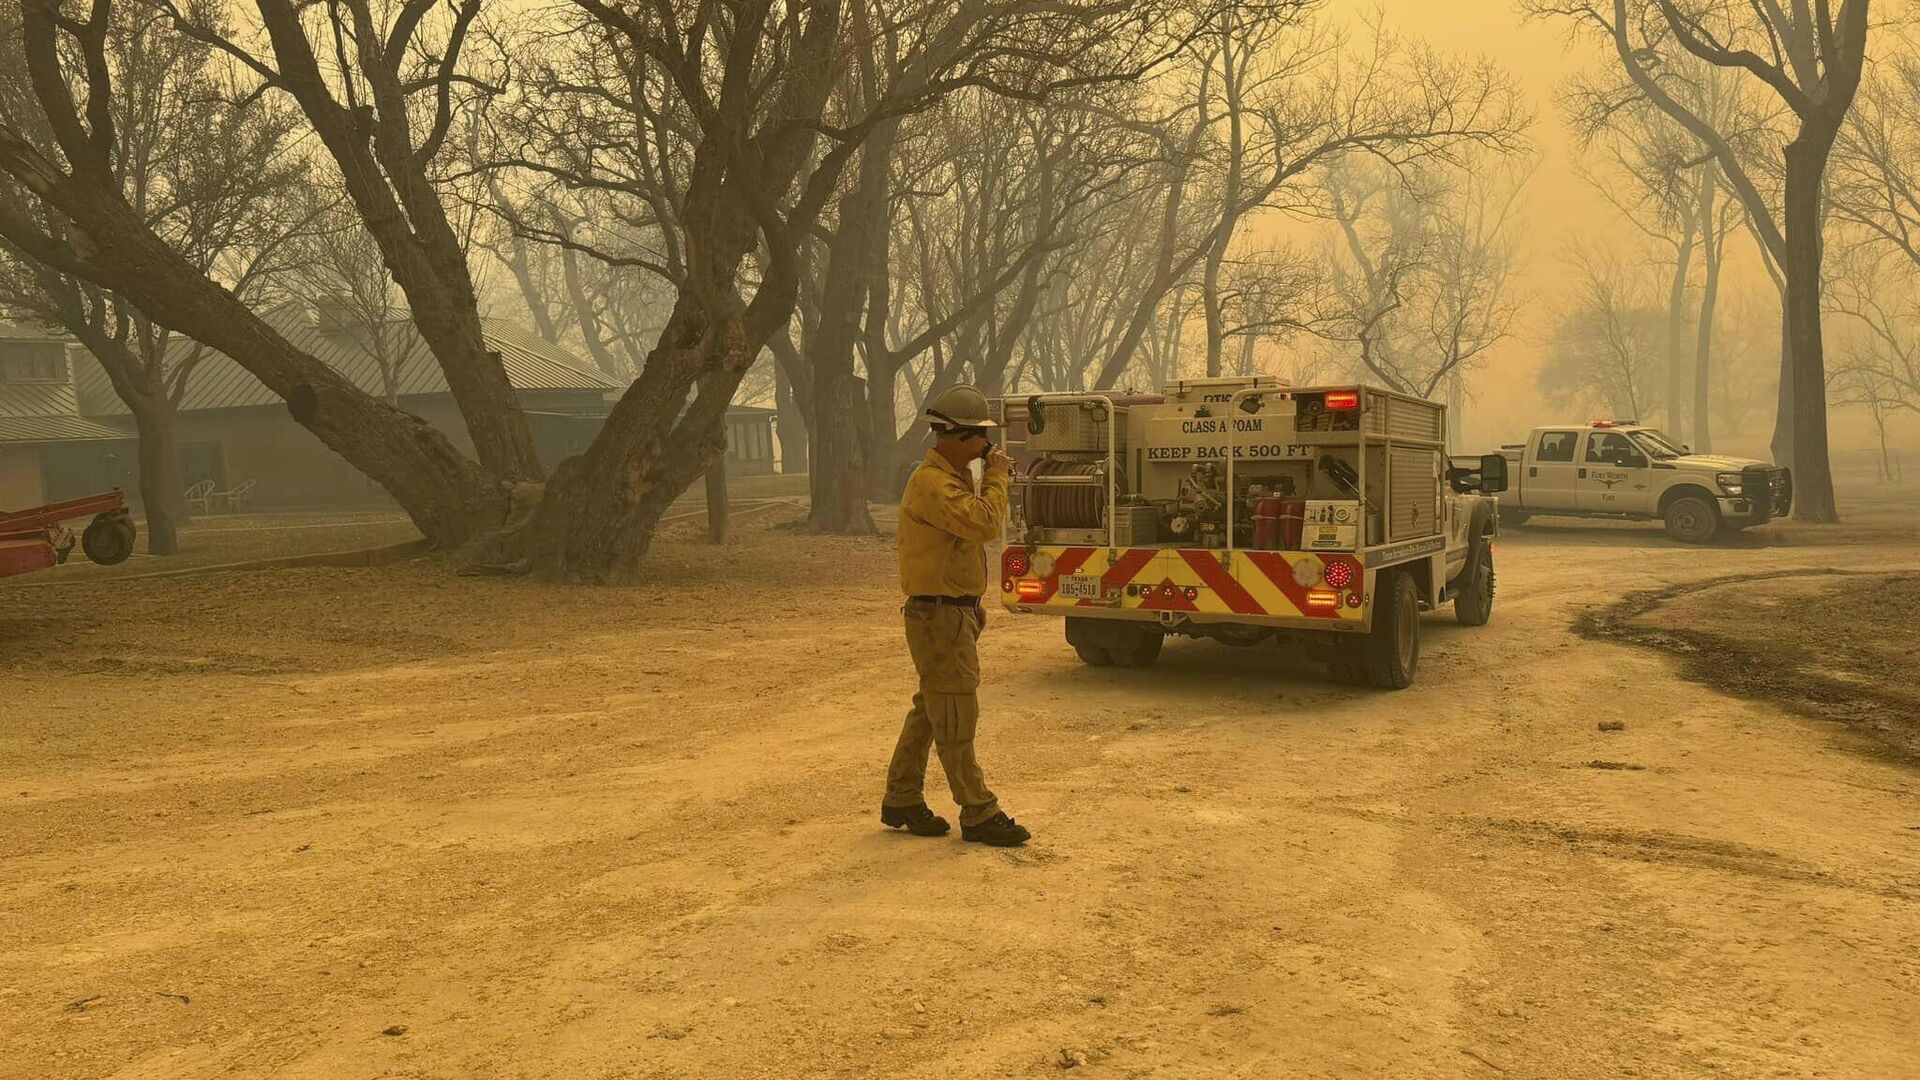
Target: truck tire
1473, 604
1094, 656
1141, 652
1393, 646
1692, 519
1513, 516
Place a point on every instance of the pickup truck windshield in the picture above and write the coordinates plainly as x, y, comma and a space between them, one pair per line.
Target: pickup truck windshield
1657, 446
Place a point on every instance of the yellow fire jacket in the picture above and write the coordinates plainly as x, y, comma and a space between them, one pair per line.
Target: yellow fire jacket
945, 527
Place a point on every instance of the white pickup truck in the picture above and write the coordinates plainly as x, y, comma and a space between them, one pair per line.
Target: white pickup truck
1625, 470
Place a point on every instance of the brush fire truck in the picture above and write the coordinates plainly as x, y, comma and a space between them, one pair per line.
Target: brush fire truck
1243, 510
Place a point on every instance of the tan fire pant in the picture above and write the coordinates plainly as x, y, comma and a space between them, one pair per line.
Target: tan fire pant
943, 640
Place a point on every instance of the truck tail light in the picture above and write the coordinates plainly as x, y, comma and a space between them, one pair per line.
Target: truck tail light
1014, 562
1343, 399
1031, 589
1339, 573
1323, 598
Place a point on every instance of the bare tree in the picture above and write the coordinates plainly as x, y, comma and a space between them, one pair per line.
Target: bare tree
1603, 354
1875, 184
210, 178
1399, 103
1812, 56
384, 88
341, 269
1877, 294
1423, 266
73, 179
1667, 184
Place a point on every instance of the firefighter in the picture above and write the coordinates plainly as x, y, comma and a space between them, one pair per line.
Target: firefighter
944, 529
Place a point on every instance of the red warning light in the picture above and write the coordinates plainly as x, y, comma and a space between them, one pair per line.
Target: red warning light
1014, 562
1343, 399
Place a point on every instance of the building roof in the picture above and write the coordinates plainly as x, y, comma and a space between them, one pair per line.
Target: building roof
21, 399
36, 429
216, 382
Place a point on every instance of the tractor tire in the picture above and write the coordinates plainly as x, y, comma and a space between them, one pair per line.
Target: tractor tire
1692, 519
1393, 646
107, 540
1473, 604
1094, 655
1142, 652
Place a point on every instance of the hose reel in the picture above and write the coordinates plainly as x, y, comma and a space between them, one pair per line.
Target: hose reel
1069, 506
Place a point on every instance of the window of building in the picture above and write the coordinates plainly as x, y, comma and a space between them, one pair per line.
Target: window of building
33, 361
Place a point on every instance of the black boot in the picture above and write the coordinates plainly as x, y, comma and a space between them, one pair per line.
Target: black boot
918, 820
997, 831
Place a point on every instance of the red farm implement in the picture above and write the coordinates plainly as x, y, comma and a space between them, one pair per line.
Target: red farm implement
35, 539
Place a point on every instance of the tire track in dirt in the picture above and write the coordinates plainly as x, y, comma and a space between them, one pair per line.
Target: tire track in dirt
1884, 720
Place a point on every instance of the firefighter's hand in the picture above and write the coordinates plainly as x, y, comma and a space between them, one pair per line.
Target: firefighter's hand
998, 461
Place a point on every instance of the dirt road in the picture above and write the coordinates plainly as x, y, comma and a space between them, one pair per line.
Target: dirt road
254, 821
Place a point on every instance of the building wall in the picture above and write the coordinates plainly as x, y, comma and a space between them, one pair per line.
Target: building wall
291, 465
20, 478
293, 468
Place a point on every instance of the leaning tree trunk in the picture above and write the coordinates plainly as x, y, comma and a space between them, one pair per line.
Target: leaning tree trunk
448, 497
1813, 498
600, 511
162, 485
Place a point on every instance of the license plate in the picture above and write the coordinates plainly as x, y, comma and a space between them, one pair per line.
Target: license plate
1080, 587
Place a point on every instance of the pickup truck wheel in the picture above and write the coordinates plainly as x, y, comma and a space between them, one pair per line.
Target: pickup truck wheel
1514, 516
1691, 519
1094, 655
1473, 606
1393, 646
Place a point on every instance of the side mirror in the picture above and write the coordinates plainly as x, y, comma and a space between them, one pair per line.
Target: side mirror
1487, 474
1493, 474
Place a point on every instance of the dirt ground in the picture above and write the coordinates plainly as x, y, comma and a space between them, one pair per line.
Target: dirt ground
332, 823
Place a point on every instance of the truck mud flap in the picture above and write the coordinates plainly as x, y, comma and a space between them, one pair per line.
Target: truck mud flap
1108, 633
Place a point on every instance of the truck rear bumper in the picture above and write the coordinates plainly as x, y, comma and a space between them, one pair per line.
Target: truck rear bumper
1179, 586
1172, 619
